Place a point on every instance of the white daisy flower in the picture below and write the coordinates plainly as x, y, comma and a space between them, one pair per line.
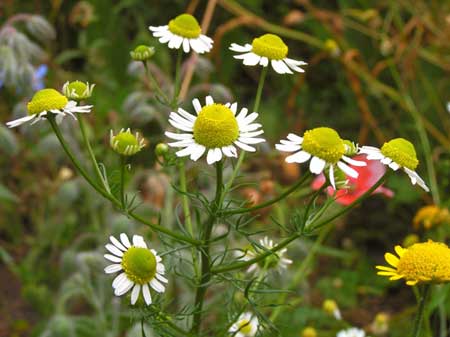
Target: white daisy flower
140, 268
183, 32
268, 47
325, 148
245, 326
351, 332
397, 153
47, 101
275, 261
216, 129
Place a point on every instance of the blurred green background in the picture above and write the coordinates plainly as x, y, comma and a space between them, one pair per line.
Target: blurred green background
376, 70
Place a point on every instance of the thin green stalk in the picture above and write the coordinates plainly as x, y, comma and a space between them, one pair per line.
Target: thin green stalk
301, 271
289, 239
283, 195
205, 257
420, 311
176, 89
110, 197
123, 164
255, 109
91, 153
155, 83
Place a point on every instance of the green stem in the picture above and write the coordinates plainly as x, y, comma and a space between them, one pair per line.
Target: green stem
301, 272
289, 239
271, 201
255, 109
176, 89
91, 153
205, 257
110, 197
420, 312
155, 83
123, 164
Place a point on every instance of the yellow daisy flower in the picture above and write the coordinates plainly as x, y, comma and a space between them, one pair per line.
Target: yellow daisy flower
421, 263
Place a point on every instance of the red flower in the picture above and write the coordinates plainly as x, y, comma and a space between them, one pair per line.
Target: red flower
368, 176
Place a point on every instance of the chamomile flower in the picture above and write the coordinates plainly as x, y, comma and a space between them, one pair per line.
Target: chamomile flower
140, 268
217, 129
49, 101
351, 332
420, 263
268, 47
183, 32
397, 153
125, 143
325, 148
273, 261
246, 326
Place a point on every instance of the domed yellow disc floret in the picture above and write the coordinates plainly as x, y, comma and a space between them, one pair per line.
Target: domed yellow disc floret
185, 25
215, 126
402, 152
245, 326
46, 100
139, 265
324, 143
425, 262
270, 46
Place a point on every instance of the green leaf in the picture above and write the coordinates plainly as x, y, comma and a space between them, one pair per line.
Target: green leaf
7, 195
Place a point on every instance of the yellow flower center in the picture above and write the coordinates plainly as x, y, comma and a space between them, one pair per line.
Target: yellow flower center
324, 143
45, 100
402, 152
245, 326
270, 46
185, 25
215, 126
139, 265
426, 262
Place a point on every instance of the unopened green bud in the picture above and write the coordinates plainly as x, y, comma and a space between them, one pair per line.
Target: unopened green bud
78, 90
125, 143
142, 53
161, 149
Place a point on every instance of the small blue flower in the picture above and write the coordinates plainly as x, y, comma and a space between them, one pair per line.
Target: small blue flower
39, 76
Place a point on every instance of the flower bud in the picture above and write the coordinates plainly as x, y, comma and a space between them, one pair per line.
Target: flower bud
309, 332
78, 90
161, 149
125, 143
142, 53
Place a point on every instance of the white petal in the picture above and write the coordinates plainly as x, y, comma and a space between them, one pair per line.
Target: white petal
157, 286
180, 126
175, 42
182, 143
415, 178
233, 108
354, 162
197, 105
298, 157
179, 136
112, 268
146, 293
294, 138
125, 240
186, 151
244, 147
177, 118
240, 49
394, 166
117, 243
293, 66
209, 100
317, 165
248, 119
161, 278
242, 114
229, 151
374, 156
135, 293
297, 63
187, 115
19, 121
112, 258
158, 28
280, 67
386, 160
251, 140
264, 61
249, 127
331, 176
114, 250
186, 46
118, 280
347, 169
124, 287
197, 151
251, 59
287, 147
138, 241
251, 134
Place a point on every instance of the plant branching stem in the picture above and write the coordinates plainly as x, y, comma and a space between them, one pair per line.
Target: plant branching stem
110, 197
205, 257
